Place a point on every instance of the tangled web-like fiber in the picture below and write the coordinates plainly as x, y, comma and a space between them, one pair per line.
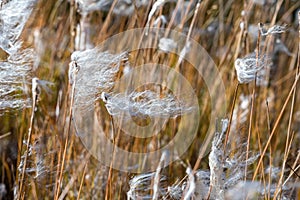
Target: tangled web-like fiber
97, 74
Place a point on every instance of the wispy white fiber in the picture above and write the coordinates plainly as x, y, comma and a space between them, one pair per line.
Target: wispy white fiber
249, 67
276, 29
147, 102
97, 74
216, 159
14, 71
13, 17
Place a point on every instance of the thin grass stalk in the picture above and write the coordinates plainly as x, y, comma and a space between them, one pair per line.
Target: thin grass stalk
5, 135
81, 182
270, 174
116, 142
107, 20
209, 192
73, 178
184, 18
35, 94
238, 39
73, 74
245, 32
189, 33
180, 182
262, 170
275, 126
161, 164
252, 103
279, 187
72, 24
290, 119
270, 164
72, 46
295, 168
178, 4
34, 194
20, 146
57, 172
193, 20
120, 191
288, 140
231, 115
221, 21
278, 6
136, 11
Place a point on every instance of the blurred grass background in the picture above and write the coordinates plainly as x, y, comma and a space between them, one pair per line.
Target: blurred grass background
52, 30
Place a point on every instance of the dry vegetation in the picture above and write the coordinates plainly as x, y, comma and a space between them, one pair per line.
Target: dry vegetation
54, 66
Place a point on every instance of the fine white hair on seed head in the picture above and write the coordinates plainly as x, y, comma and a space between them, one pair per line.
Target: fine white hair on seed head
249, 67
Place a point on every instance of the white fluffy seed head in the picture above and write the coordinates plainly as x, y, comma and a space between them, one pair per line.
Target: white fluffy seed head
276, 29
249, 67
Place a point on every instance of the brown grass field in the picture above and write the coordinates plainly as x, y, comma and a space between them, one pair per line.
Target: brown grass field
63, 81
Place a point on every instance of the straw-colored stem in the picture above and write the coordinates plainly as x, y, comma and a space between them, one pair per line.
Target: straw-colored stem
27, 145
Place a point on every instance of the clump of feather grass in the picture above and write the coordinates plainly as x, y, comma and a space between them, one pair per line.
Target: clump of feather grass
96, 69
16, 67
250, 68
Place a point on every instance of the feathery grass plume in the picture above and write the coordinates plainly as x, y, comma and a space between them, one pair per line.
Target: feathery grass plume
175, 191
146, 103
39, 159
140, 186
225, 170
97, 74
13, 79
12, 85
52, 36
276, 29
249, 67
15, 70
25, 164
13, 16
216, 159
